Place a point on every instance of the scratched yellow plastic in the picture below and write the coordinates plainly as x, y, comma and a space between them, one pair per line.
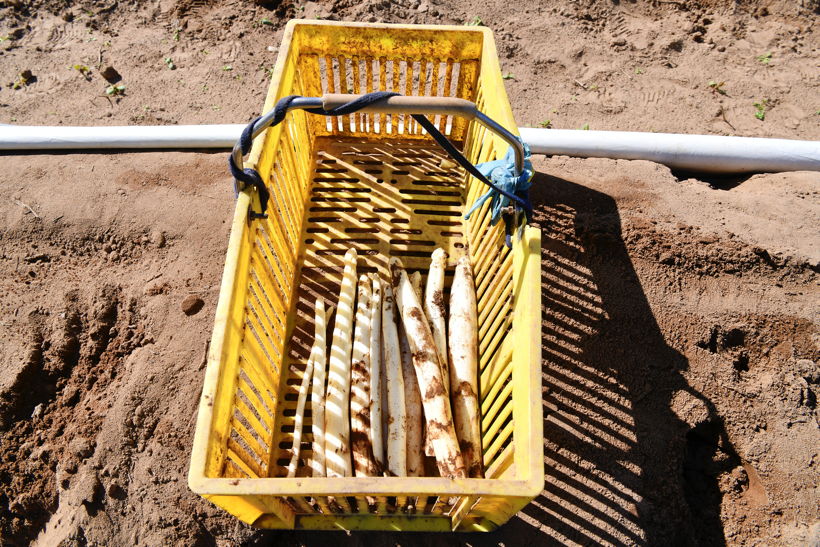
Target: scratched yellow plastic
376, 183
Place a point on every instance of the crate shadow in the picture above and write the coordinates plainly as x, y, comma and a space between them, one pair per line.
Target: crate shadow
620, 467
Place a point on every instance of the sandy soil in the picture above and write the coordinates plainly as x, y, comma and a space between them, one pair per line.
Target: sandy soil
680, 326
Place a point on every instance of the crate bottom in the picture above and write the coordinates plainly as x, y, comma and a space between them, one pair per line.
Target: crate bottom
384, 198
385, 523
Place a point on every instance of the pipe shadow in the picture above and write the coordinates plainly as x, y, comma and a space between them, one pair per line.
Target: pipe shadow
620, 466
718, 181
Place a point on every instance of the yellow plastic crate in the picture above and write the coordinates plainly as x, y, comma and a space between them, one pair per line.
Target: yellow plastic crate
377, 183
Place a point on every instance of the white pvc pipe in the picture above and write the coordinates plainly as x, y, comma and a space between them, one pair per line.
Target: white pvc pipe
31, 137
707, 153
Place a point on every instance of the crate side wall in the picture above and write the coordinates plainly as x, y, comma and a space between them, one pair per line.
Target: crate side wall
493, 266
411, 61
282, 158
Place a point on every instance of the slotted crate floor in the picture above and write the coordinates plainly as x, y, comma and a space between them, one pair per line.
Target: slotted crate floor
384, 198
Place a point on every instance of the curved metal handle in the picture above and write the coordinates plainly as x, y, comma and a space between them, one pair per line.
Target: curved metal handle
445, 106
265, 121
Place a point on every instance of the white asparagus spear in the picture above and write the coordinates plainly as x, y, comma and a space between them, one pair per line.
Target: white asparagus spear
317, 395
415, 280
438, 416
396, 416
413, 407
361, 444
299, 418
464, 367
337, 411
376, 380
434, 309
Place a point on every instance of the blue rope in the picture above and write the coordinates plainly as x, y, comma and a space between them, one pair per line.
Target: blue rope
503, 173
506, 187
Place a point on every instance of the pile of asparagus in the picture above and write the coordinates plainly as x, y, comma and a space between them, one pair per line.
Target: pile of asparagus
396, 347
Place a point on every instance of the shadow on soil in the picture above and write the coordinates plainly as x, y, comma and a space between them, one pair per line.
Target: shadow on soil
620, 466
718, 181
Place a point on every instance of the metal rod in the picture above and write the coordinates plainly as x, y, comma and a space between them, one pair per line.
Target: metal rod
517, 145
265, 121
404, 104
434, 105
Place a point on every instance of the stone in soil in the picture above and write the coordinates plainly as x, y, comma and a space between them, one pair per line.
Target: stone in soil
192, 304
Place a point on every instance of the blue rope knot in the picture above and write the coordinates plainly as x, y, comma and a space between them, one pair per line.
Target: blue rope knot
251, 177
503, 175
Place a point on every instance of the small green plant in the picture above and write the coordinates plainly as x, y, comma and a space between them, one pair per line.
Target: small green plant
176, 34
546, 124
585, 127
82, 69
170, 63
817, 113
760, 109
115, 90
5, 38
227, 68
639, 71
23, 79
475, 22
266, 21
593, 87
766, 58
508, 76
717, 87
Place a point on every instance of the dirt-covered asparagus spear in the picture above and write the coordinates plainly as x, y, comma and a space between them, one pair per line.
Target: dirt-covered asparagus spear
376, 373
438, 415
415, 280
413, 407
299, 417
317, 395
463, 357
364, 465
434, 309
337, 410
396, 416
